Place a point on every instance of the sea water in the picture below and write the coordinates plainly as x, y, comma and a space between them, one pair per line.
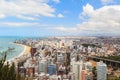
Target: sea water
6, 44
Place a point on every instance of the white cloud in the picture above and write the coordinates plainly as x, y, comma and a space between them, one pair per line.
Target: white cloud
103, 20
60, 16
26, 9
104, 2
2, 16
52, 27
56, 1
62, 28
17, 24
65, 29
26, 17
22, 24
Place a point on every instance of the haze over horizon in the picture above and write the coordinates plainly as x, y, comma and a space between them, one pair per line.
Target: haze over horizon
59, 17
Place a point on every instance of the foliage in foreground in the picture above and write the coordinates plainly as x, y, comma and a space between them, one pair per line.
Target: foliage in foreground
7, 71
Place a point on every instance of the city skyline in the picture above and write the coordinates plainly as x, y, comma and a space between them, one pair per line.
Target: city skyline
59, 17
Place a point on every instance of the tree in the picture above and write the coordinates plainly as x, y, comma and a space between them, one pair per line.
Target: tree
94, 72
7, 71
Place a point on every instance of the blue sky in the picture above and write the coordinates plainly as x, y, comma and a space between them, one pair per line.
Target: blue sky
59, 17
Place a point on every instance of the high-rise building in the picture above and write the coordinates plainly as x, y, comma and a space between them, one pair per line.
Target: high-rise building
86, 75
43, 66
33, 51
60, 58
31, 71
61, 69
41, 76
54, 77
88, 66
76, 68
101, 71
71, 76
52, 69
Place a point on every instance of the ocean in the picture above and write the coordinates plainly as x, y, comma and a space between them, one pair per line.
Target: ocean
6, 44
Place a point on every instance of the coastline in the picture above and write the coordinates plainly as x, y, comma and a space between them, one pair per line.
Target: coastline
24, 52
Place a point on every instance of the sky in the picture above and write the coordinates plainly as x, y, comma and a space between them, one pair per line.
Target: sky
59, 18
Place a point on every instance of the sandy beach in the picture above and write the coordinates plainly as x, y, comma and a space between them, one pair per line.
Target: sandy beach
25, 51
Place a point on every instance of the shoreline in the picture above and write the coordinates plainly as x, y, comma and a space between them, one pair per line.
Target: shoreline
25, 51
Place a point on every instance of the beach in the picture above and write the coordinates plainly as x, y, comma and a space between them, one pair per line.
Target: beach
24, 52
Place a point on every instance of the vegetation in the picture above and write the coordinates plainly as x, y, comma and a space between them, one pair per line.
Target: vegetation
113, 78
115, 58
94, 73
92, 45
7, 71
